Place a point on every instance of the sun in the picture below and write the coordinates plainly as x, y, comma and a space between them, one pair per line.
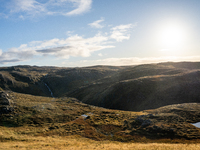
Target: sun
171, 37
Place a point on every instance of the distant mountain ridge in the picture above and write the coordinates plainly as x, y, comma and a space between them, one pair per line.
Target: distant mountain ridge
133, 88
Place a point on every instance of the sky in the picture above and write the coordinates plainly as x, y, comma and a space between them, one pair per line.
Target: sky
77, 33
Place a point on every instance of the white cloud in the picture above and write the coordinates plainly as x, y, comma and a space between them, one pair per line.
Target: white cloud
100, 54
120, 33
32, 8
69, 33
82, 7
64, 48
1, 52
16, 55
96, 24
21, 17
74, 45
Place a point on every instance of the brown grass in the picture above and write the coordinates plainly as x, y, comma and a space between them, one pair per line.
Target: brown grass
79, 143
47, 123
24, 138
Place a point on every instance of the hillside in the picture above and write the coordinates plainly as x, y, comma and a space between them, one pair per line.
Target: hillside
132, 88
42, 116
137, 87
24, 79
150, 103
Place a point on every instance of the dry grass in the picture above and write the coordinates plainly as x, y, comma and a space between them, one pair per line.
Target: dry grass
42, 123
79, 143
13, 138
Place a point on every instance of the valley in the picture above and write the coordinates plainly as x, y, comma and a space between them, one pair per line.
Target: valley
153, 103
133, 88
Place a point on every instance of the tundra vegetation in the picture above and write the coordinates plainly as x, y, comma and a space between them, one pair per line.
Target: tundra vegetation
30, 118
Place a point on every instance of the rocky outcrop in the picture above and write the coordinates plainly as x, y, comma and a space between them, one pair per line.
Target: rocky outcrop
4, 99
5, 106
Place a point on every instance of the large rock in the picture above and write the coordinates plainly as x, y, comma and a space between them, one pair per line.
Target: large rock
4, 99
5, 107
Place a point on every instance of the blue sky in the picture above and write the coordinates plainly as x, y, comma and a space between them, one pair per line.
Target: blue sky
76, 33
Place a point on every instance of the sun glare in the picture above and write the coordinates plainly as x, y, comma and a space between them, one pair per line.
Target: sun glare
171, 37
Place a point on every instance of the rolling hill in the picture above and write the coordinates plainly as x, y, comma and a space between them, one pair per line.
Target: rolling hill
134, 88
144, 103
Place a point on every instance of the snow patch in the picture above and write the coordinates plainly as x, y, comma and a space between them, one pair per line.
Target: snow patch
196, 124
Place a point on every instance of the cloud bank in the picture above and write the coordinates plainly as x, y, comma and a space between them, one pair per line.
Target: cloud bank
74, 45
133, 61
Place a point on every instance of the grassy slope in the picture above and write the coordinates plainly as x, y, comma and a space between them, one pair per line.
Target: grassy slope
57, 123
43, 116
